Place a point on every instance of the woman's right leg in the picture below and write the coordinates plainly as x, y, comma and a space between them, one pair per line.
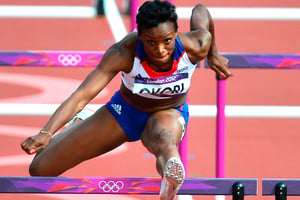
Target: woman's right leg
92, 137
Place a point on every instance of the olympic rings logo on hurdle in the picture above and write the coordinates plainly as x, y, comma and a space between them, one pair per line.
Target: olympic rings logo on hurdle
111, 186
69, 59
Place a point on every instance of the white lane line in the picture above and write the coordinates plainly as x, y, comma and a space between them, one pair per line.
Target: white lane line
48, 11
16, 160
222, 13
195, 110
239, 13
114, 19
247, 111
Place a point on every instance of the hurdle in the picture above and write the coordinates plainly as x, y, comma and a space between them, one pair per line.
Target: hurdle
281, 188
236, 187
92, 58
51, 58
239, 61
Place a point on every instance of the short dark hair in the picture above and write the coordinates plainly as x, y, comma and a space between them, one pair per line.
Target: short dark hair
152, 13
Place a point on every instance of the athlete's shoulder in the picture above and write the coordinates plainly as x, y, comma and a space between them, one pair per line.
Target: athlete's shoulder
128, 43
122, 53
124, 49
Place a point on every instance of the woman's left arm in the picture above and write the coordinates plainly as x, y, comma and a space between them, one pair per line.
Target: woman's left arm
202, 20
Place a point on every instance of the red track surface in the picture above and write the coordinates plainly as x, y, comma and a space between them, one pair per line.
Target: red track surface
255, 147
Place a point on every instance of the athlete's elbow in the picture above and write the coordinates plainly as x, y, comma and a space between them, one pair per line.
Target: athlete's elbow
205, 44
203, 53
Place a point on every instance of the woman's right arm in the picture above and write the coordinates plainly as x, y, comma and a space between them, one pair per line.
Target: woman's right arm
117, 58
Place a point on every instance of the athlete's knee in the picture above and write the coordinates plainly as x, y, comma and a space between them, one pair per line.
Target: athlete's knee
35, 168
162, 140
162, 127
38, 167
162, 130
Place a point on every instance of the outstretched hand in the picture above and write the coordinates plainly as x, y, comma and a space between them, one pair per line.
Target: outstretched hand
36, 143
219, 64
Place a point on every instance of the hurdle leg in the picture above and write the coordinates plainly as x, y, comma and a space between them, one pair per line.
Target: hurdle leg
99, 7
280, 191
281, 188
238, 191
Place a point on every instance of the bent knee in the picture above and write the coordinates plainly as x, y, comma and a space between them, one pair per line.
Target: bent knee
163, 126
35, 170
160, 141
41, 168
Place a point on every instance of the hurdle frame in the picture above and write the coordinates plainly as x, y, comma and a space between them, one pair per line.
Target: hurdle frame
280, 188
238, 61
238, 188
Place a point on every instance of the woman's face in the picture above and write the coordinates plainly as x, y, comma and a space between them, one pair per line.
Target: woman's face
159, 43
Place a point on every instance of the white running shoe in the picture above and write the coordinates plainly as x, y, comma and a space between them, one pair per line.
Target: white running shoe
173, 178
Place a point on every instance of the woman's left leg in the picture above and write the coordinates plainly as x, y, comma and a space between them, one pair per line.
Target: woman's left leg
161, 136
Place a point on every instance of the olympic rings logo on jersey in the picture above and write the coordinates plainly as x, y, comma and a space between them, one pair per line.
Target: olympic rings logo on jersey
111, 186
69, 59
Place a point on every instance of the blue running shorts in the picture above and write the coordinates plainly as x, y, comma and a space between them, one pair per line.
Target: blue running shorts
133, 120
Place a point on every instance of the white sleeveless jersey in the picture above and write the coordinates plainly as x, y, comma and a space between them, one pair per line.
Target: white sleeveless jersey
145, 82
